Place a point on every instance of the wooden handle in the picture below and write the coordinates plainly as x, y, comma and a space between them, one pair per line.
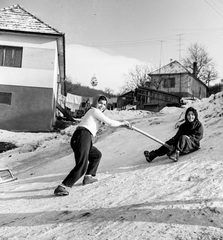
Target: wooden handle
150, 136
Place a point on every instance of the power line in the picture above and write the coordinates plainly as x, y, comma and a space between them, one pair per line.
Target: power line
152, 41
214, 8
191, 35
216, 5
221, 3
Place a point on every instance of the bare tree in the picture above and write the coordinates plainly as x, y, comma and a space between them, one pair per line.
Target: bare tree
109, 92
209, 73
157, 82
205, 69
137, 77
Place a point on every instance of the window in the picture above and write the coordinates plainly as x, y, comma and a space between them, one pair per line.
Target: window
169, 83
10, 56
5, 98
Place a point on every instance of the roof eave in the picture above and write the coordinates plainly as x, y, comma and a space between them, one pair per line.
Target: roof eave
159, 91
157, 74
31, 32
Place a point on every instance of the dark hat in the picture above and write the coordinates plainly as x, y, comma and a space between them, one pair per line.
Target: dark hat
97, 98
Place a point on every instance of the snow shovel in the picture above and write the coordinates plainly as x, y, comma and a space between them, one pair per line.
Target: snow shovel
6, 176
151, 137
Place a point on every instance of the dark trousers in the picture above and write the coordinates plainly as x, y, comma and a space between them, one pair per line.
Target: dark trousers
87, 157
184, 145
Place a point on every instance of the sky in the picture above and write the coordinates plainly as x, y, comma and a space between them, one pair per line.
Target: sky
108, 38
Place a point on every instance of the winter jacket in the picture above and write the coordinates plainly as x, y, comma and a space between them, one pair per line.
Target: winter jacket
194, 130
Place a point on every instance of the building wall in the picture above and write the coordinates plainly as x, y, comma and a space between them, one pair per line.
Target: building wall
33, 86
31, 109
185, 85
197, 90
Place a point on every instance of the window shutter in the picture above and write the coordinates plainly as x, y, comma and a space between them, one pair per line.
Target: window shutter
1, 56
17, 57
8, 57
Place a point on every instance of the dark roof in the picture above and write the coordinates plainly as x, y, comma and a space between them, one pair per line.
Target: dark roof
158, 91
127, 93
16, 18
172, 68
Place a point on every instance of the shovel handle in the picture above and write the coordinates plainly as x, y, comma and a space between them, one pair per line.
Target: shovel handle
151, 137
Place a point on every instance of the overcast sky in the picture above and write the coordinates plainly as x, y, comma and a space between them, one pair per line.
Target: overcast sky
107, 38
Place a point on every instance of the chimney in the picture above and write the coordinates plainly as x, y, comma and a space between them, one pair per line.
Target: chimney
194, 68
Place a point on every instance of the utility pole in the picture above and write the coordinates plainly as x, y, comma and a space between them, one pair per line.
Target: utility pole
180, 45
161, 49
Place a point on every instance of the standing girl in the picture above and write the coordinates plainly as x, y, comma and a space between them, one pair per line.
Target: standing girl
87, 156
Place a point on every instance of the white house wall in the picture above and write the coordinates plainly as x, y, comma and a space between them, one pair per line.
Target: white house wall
26, 77
33, 86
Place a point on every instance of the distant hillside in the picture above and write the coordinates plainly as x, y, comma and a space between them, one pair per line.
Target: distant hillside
77, 89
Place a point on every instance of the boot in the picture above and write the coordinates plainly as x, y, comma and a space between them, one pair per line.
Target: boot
175, 156
61, 191
88, 179
149, 155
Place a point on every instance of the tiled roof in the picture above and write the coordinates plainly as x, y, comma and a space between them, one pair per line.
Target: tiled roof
171, 68
16, 18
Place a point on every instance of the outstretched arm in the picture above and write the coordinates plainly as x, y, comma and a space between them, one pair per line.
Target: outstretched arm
110, 122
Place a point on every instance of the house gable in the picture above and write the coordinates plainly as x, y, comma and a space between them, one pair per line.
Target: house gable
172, 68
16, 18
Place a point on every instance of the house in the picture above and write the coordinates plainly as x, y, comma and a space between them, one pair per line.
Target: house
154, 100
166, 87
125, 99
112, 103
145, 98
32, 71
175, 79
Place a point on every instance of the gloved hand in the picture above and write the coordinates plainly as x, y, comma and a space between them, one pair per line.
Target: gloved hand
170, 147
126, 124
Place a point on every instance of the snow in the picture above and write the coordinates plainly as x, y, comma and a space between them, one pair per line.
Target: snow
133, 199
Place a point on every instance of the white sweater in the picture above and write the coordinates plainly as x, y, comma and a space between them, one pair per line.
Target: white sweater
93, 119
